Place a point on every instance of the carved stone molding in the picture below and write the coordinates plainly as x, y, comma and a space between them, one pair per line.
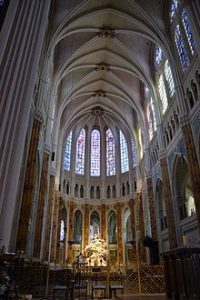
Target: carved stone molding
106, 32
102, 67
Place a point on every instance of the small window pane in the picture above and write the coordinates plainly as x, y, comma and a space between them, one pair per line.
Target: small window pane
159, 55
173, 9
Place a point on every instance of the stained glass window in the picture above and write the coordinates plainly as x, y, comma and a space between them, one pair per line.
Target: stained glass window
110, 153
169, 78
181, 48
173, 9
62, 231
159, 55
154, 114
67, 156
188, 31
124, 153
150, 121
80, 152
95, 153
162, 92
134, 153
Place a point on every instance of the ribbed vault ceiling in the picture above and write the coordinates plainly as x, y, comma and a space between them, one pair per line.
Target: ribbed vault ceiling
102, 52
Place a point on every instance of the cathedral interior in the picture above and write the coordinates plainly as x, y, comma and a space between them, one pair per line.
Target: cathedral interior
99, 136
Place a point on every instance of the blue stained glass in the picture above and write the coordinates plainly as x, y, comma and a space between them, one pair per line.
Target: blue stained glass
95, 153
188, 32
110, 153
80, 153
134, 153
159, 55
124, 153
67, 156
173, 9
181, 48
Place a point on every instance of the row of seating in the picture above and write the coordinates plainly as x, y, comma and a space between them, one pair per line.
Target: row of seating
80, 284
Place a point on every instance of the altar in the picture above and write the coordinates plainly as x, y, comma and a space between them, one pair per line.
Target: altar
96, 253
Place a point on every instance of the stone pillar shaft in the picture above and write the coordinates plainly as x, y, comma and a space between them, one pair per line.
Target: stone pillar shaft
141, 227
40, 207
86, 225
70, 231
103, 222
28, 191
152, 209
55, 237
51, 199
119, 233
168, 204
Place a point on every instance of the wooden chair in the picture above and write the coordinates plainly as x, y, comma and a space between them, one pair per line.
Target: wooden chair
99, 281
115, 284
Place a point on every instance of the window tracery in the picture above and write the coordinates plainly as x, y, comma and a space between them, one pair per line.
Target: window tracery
159, 55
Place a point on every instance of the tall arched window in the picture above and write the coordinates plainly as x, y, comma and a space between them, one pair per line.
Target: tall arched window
124, 153
150, 121
188, 31
80, 153
67, 155
134, 154
110, 153
181, 48
154, 114
95, 153
162, 92
173, 9
169, 78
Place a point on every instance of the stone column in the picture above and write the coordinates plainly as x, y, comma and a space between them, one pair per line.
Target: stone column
55, 237
168, 204
132, 218
28, 190
51, 199
23, 35
41, 205
70, 232
119, 233
141, 227
193, 166
103, 222
152, 208
86, 225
